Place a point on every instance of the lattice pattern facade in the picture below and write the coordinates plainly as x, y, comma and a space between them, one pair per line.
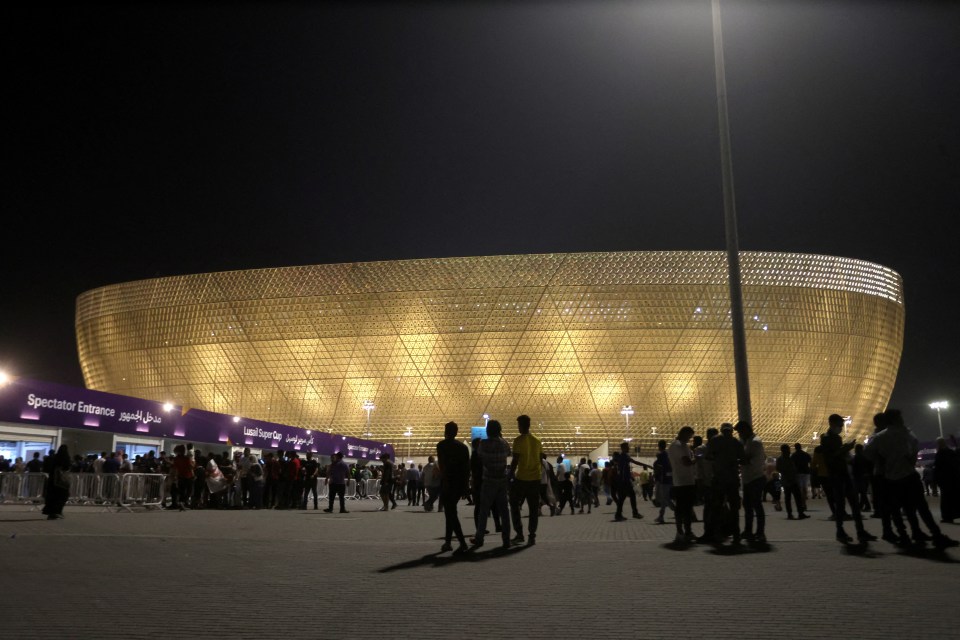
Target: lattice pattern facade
567, 338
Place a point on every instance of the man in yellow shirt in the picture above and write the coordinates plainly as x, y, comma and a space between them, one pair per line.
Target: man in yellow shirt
526, 470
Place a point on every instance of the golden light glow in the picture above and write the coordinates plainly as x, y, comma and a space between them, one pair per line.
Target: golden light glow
567, 338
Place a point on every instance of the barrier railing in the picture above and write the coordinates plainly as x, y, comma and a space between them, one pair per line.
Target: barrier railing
141, 490
323, 489
22, 488
373, 488
107, 489
351, 491
83, 488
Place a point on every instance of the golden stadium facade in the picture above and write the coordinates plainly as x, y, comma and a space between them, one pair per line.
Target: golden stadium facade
569, 339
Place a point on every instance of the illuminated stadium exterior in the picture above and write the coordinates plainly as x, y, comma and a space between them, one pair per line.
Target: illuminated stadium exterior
569, 339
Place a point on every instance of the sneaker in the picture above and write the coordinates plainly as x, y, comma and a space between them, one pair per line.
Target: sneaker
328, 510
866, 536
659, 521
679, 539
842, 536
638, 516
802, 516
890, 537
920, 536
532, 540
790, 516
476, 543
463, 548
689, 537
380, 509
519, 538
446, 547
344, 511
943, 542
619, 517
748, 536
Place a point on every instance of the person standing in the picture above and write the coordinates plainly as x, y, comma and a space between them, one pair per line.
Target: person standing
897, 447
493, 453
58, 484
663, 475
432, 482
526, 469
754, 479
791, 487
337, 474
946, 471
453, 470
726, 452
683, 462
387, 479
413, 486
184, 466
801, 460
623, 481
836, 455
310, 471
884, 506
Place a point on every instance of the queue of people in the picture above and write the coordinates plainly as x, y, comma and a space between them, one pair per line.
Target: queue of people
721, 473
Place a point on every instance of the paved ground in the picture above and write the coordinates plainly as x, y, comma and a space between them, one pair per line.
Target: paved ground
262, 574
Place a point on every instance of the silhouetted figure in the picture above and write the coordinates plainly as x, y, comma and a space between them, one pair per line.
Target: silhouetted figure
947, 474
897, 446
493, 452
453, 461
58, 484
726, 452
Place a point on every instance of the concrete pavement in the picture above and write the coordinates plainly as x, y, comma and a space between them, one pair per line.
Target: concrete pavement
308, 574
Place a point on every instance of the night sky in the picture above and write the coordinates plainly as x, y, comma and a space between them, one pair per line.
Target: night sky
148, 140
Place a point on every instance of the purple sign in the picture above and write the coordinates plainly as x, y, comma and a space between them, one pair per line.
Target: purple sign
49, 404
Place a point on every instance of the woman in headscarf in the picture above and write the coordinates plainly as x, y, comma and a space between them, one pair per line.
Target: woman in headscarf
58, 484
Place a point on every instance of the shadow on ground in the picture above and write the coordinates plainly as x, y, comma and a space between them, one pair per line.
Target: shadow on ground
439, 560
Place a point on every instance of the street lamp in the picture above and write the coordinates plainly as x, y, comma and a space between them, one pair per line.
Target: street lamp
744, 410
942, 404
486, 419
626, 412
368, 406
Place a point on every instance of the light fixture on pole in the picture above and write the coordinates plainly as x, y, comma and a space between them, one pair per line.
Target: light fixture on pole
744, 410
368, 406
486, 420
942, 404
626, 412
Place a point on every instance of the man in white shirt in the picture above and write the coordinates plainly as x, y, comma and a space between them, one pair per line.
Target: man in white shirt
684, 465
751, 470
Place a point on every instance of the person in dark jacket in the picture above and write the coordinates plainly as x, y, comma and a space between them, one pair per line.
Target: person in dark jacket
58, 484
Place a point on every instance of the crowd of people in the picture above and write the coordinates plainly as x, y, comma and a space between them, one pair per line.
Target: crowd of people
720, 472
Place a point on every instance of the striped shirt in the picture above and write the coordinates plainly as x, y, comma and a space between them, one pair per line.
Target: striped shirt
493, 456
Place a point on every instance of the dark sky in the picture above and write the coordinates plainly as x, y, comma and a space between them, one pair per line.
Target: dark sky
148, 140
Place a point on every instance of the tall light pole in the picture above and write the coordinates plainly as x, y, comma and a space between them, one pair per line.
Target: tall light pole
486, 420
368, 406
626, 412
941, 404
744, 410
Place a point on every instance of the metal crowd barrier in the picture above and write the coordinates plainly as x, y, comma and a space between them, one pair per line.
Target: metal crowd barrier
22, 488
83, 488
351, 491
141, 490
323, 489
373, 488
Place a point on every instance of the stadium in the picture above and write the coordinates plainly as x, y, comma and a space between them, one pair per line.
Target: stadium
595, 347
